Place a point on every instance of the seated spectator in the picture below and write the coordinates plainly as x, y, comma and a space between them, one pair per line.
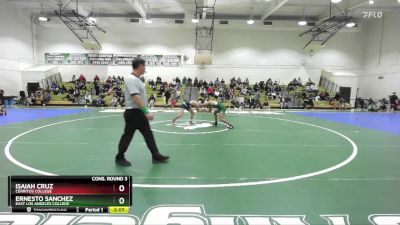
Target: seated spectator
210, 91
178, 93
239, 81
82, 78
342, 104
46, 97
100, 101
152, 101
177, 80
3, 111
323, 96
383, 104
54, 88
70, 97
266, 106
174, 100
309, 82
88, 98
283, 103
256, 87
30, 99
114, 101
246, 82
158, 80
372, 106
77, 93
335, 100
308, 101
38, 96
161, 90
121, 100
241, 102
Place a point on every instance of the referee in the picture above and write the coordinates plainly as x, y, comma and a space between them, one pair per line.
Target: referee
137, 116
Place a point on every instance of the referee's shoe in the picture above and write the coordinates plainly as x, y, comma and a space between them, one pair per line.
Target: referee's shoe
156, 159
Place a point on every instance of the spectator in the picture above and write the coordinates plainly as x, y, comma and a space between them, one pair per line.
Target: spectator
31, 99
62, 89
342, 104
167, 96
46, 97
257, 102
3, 111
88, 98
372, 106
100, 101
266, 105
158, 80
360, 103
54, 88
152, 101
335, 100
2, 102
210, 91
394, 101
82, 78
114, 101
308, 101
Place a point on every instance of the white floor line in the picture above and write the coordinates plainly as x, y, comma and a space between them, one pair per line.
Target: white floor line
185, 186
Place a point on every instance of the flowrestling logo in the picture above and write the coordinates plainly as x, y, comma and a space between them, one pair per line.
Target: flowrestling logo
372, 15
182, 215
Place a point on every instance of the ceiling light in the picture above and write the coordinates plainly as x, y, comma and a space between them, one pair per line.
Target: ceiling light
148, 20
371, 2
43, 19
336, 1
302, 22
92, 19
350, 24
195, 20
250, 22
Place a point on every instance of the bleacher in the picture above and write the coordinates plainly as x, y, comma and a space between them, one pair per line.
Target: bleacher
188, 92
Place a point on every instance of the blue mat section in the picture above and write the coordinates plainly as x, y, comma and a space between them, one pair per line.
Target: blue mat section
23, 115
387, 122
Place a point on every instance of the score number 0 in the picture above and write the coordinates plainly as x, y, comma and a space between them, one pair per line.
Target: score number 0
121, 200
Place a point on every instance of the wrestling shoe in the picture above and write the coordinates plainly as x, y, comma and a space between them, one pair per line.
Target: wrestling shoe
230, 126
215, 124
173, 123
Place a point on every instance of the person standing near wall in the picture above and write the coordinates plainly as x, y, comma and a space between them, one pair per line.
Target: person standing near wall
137, 116
2, 97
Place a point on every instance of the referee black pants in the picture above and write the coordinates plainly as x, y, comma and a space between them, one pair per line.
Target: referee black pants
136, 120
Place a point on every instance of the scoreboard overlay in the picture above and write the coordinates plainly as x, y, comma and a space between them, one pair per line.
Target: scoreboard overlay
74, 194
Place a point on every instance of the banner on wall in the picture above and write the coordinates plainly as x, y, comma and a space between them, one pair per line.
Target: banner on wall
110, 59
